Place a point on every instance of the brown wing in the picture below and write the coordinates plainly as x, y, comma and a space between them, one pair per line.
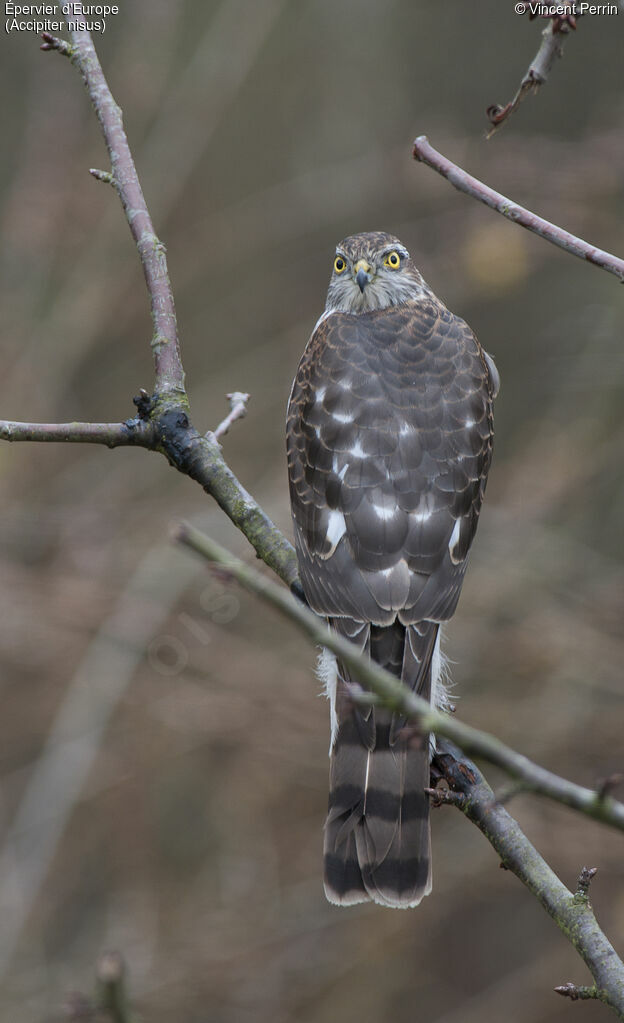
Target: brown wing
389, 444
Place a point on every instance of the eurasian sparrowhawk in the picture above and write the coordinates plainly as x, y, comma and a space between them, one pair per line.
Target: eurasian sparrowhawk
389, 445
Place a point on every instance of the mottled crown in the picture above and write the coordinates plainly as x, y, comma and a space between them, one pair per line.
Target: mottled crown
369, 244
373, 270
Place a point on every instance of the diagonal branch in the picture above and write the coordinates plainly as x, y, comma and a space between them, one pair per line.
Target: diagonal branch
125, 181
201, 459
571, 912
163, 422
425, 153
469, 790
384, 688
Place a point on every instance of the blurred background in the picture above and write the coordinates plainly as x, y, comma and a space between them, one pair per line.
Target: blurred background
163, 748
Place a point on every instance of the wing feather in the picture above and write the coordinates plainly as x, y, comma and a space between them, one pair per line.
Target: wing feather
389, 445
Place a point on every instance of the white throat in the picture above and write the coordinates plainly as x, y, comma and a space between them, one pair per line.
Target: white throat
346, 297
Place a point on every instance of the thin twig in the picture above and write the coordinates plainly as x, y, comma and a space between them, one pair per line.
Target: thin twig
238, 410
101, 175
51, 42
425, 153
110, 1002
165, 345
551, 48
574, 993
574, 917
445, 797
386, 689
113, 435
111, 996
582, 885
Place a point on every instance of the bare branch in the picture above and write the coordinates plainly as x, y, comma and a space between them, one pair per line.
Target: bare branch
574, 917
166, 424
111, 995
464, 182
124, 178
171, 433
238, 410
163, 423
384, 688
551, 47
111, 1000
113, 435
469, 790
201, 459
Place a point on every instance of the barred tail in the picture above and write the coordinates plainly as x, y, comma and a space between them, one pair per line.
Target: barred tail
377, 833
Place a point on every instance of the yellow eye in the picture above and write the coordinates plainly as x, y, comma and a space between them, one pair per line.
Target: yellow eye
393, 260
340, 265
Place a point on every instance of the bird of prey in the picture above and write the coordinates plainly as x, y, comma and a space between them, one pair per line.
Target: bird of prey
389, 439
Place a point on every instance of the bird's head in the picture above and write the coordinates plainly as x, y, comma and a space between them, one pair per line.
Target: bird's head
372, 271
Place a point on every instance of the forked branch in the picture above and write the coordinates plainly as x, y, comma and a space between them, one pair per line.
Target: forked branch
380, 687
469, 790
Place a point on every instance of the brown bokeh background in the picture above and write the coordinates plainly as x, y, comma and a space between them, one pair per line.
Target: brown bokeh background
162, 744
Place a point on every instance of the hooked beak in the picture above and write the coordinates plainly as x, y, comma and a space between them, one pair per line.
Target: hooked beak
362, 274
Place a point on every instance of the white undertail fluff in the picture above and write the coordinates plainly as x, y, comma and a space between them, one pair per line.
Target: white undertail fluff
441, 685
327, 672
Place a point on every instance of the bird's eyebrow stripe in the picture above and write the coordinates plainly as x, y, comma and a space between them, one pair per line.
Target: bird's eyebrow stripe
396, 248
